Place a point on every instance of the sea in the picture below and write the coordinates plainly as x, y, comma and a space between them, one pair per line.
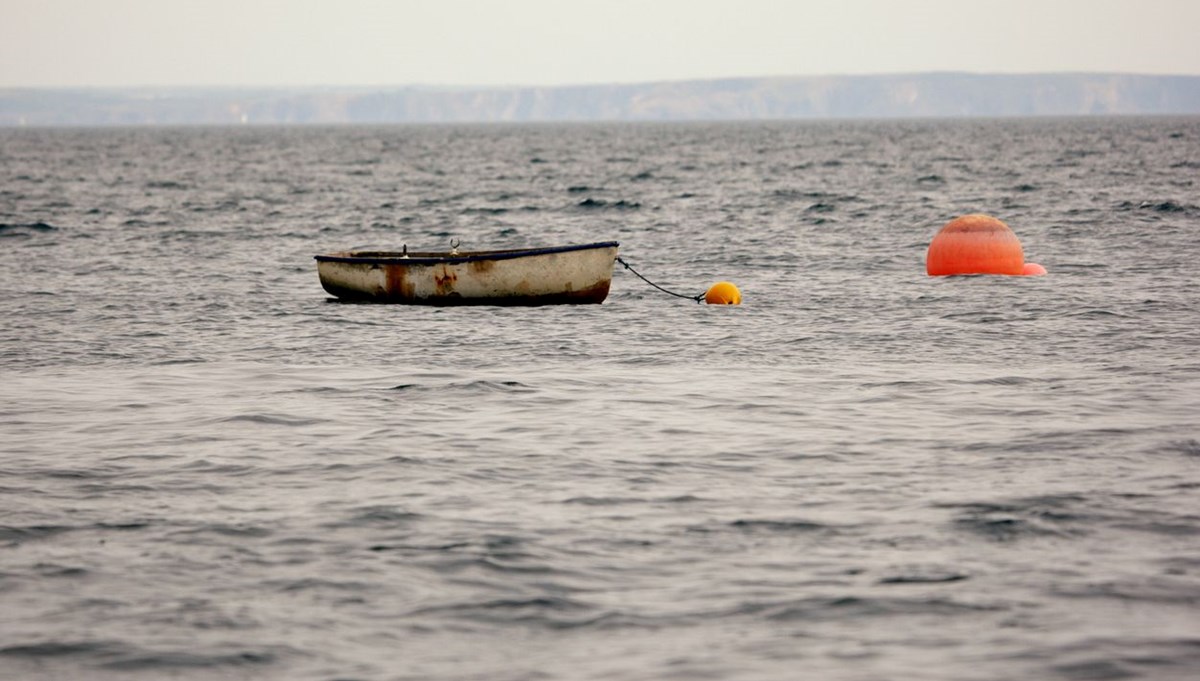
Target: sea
209, 469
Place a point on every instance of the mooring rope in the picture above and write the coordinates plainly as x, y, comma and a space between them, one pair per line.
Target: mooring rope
677, 295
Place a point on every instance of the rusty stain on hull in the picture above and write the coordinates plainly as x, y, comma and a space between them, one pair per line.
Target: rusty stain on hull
444, 281
397, 283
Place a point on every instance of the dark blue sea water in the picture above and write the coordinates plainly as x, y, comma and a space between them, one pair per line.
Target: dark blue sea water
209, 470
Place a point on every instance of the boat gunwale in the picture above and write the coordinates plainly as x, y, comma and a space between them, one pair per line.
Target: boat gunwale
397, 258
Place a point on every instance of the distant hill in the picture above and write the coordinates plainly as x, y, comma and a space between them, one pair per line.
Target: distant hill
882, 96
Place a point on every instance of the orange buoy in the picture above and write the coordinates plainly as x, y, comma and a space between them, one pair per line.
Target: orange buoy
1032, 269
975, 244
723, 293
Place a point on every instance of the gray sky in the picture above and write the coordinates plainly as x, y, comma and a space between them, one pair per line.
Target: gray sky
547, 42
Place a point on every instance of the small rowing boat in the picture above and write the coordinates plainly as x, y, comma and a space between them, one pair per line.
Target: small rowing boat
530, 276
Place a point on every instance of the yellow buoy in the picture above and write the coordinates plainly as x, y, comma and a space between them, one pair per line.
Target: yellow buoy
723, 293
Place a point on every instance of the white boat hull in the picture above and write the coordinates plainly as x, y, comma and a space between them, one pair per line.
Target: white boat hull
541, 276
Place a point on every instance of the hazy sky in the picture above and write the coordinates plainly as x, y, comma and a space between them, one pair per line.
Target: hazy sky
535, 42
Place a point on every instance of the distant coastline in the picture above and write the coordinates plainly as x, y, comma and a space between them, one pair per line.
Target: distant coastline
918, 95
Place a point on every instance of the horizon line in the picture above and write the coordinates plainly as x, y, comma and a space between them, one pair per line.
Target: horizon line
614, 83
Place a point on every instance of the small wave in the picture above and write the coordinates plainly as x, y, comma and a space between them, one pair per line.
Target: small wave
247, 531
809, 195
1097, 312
221, 207
857, 608
1095, 670
376, 515
616, 501
272, 420
25, 229
1005, 380
165, 184
1157, 590
551, 612
315, 584
779, 525
898, 384
602, 501
924, 577
113, 655
52, 570
1186, 527
1167, 207
1185, 447
579, 189
175, 659
499, 562
601, 203
12, 533
1022, 518
131, 525
931, 179
469, 386
1157, 206
1126, 657
60, 649
418, 548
